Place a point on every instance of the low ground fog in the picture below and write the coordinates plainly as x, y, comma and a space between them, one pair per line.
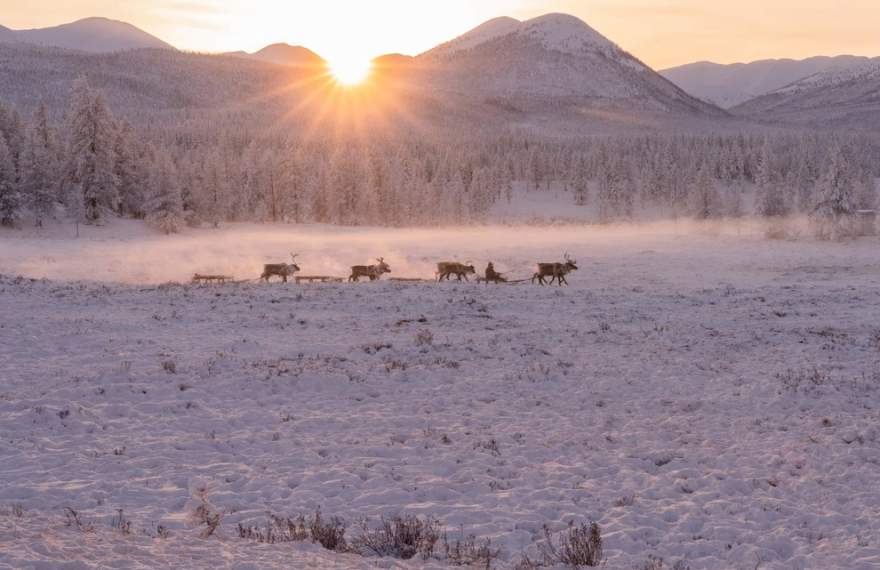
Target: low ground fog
679, 254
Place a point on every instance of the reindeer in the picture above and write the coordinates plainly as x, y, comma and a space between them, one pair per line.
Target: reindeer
556, 271
282, 270
374, 272
445, 269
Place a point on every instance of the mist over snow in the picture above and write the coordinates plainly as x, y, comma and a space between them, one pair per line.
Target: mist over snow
681, 254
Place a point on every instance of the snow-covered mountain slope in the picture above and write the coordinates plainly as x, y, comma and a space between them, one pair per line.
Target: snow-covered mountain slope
555, 57
847, 98
485, 32
731, 85
163, 87
146, 86
99, 35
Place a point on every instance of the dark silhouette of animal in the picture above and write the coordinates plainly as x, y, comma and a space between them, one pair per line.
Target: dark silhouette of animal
282, 270
555, 271
374, 272
446, 269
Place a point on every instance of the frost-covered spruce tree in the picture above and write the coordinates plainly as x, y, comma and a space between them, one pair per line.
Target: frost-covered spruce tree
131, 174
580, 184
12, 129
616, 192
10, 202
214, 196
866, 193
707, 204
39, 167
771, 202
833, 216
165, 205
90, 161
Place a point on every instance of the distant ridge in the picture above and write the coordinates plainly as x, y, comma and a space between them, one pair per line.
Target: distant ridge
729, 85
845, 98
97, 35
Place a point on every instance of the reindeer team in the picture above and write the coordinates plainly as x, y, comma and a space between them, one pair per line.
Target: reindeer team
374, 272
556, 271
282, 270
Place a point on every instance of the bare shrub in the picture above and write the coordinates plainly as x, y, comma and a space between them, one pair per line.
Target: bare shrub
329, 533
169, 366
16, 510
399, 537
277, 530
202, 512
162, 531
206, 516
578, 546
490, 445
73, 520
121, 524
424, 338
802, 380
467, 551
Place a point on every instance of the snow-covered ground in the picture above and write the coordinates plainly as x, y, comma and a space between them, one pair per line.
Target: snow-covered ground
704, 396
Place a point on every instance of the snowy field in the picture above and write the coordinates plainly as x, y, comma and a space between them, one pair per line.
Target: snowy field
710, 397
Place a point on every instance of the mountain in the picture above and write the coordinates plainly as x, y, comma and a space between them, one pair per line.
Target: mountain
285, 54
730, 85
486, 31
846, 98
553, 62
98, 35
552, 76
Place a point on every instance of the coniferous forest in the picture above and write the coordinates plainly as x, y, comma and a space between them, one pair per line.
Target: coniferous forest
91, 164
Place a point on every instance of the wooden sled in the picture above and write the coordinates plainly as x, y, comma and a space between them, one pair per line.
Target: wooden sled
200, 279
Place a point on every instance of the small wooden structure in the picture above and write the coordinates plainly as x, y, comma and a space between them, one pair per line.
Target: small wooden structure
200, 279
867, 222
317, 279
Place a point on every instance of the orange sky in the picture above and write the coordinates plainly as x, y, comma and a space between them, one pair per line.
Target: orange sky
660, 32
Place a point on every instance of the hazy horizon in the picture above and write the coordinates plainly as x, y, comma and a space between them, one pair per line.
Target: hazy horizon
663, 33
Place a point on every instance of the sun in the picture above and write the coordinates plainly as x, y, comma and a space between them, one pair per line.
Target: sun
350, 70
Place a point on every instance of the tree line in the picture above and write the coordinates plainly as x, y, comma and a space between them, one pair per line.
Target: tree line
91, 166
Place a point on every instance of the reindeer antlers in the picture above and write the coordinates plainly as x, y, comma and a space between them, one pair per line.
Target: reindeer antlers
293, 256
